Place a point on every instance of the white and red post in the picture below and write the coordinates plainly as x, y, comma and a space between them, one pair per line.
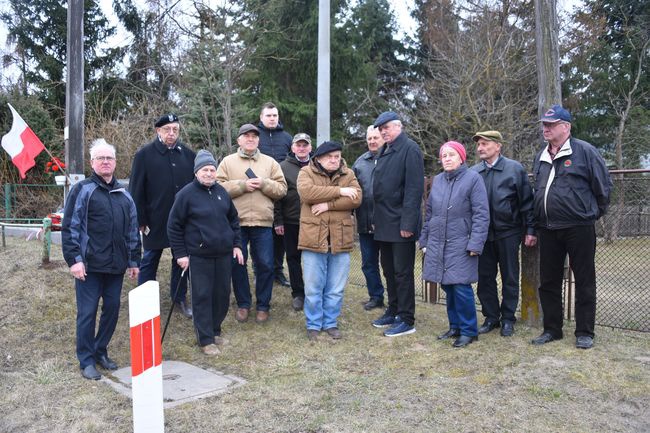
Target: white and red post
146, 358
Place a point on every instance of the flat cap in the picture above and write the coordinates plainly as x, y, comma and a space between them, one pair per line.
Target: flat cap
301, 136
327, 147
488, 135
166, 119
556, 114
385, 117
248, 127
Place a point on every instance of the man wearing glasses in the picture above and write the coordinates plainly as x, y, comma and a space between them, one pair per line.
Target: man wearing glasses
160, 169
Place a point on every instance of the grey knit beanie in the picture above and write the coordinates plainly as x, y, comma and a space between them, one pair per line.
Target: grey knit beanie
203, 158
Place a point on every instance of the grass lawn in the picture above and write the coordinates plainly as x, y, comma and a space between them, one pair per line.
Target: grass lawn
363, 383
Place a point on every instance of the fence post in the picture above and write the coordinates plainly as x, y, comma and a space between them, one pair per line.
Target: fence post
47, 237
7, 200
531, 312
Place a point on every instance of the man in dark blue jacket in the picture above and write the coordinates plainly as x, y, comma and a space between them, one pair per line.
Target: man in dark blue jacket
160, 169
398, 186
276, 143
100, 242
511, 219
572, 187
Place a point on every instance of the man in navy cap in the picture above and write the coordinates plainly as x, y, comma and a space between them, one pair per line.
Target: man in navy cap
398, 186
572, 187
160, 169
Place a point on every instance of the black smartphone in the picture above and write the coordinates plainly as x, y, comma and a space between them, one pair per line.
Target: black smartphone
251, 174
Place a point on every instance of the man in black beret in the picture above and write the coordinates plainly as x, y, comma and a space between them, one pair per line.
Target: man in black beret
398, 186
160, 169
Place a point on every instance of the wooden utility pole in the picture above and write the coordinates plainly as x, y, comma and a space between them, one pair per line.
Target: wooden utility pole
323, 81
74, 93
549, 93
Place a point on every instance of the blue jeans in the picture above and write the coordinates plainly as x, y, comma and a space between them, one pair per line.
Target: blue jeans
325, 277
91, 346
261, 242
370, 265
149, 267
461, 308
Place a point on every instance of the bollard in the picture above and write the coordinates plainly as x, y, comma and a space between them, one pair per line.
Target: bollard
47, 239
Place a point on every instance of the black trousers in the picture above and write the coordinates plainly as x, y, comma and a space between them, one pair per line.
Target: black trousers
278, 254
210, 277
398, 263
504, 254
294, 256
580, 244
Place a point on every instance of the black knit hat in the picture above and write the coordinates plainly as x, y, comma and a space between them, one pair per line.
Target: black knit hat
203, 158
327, 147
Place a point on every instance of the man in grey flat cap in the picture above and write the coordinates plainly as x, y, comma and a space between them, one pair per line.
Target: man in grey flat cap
160, 169
398, 186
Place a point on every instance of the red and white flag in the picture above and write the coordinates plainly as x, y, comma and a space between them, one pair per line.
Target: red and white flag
22, 144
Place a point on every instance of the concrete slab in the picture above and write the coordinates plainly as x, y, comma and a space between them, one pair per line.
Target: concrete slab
182, 382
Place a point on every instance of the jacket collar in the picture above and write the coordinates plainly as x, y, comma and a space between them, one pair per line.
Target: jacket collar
449, 175
162, 147
278, 128
498, 165
254, 156
565, 150
393, 147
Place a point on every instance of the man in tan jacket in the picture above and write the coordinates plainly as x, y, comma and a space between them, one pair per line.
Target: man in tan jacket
253, 181
328, 192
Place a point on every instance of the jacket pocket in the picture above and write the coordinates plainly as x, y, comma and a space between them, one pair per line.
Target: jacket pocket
347, 233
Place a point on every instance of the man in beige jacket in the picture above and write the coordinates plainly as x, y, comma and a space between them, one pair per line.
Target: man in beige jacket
253, 181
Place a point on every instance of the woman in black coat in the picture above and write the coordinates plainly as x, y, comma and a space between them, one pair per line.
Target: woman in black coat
204, 235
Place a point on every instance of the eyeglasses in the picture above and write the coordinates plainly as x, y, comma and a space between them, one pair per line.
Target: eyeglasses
167, 130
104, 158
302, 144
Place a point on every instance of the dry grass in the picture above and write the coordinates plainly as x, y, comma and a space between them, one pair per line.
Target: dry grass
363, 383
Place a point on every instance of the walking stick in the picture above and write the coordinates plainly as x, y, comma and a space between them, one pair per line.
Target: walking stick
171, 310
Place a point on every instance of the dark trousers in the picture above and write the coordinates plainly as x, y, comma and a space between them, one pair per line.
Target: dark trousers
294, 260
261, 247
370, 265
278, 254
398, 263
91, 346
210, 295
503, 253
580, 244
149, 268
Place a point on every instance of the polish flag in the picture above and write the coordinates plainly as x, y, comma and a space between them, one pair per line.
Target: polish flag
22, 144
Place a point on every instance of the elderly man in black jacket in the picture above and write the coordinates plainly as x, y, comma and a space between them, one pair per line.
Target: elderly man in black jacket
160, 169
398, 186
511, 218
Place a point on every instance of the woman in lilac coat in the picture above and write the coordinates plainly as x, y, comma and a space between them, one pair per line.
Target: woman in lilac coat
455, 229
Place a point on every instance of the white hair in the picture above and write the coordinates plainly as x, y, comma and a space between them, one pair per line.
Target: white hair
100, 143
370, 129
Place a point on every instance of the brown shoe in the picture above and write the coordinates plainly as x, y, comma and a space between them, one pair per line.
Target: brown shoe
210, 350
334, 333
241, 315
220, 341
261, 316
312, 334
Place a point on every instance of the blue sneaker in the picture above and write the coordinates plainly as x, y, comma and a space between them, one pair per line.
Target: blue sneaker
385, 321
399, 328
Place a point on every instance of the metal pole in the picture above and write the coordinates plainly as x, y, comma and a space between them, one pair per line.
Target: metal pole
323, 84
74, 94
7, 200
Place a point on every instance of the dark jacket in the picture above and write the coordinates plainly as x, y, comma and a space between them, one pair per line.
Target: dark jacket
580, 187
203, 222
287, 209
364, 168
398, 187
456, 222
275, 143
100, 227
510, 196
157, 174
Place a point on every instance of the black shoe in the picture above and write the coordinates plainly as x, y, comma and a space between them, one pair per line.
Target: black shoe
507, 329
282, 280
487, 326
373, 303
106, 363
584, 342
464, 340
544, 338
90, 372
298, 303
184, 309
449, 334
